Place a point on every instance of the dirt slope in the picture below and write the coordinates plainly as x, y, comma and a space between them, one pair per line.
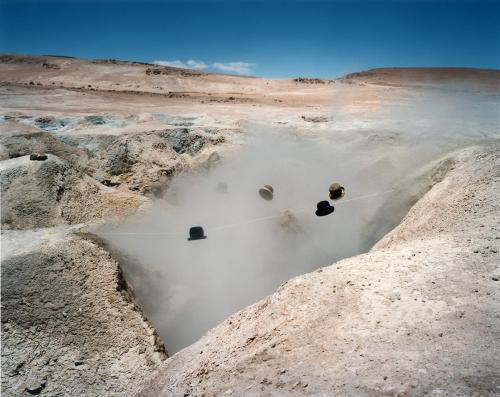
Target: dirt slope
417, 315
69, 324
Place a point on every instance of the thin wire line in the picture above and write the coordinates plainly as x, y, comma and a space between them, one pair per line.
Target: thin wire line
246, 222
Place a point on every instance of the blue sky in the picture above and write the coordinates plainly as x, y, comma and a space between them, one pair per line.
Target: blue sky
273, 38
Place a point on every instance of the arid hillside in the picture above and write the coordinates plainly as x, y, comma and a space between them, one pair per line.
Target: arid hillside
480, 78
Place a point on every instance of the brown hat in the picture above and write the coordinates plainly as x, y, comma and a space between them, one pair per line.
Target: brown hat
336, 191
266, 192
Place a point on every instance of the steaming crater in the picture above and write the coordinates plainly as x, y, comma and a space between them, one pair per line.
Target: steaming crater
187, 287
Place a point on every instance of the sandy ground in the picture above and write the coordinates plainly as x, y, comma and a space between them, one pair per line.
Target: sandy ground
116, 133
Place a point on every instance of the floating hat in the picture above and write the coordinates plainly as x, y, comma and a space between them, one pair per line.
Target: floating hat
336, 191
289, 222
221, 187
266, 192
196, 233
324, 208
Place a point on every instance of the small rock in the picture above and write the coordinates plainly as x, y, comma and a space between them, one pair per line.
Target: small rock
109, 183
35, 389
38, 157
317, 119
50, 305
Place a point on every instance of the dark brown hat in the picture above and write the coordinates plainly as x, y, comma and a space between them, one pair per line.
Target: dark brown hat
336, 191
266, 192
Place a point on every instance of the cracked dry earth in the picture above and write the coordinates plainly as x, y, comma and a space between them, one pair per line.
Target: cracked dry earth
417, 315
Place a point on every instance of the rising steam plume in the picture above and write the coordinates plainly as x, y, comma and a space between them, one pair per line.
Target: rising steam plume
254, 245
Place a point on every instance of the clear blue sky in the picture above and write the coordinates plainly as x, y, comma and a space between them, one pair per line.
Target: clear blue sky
268, 38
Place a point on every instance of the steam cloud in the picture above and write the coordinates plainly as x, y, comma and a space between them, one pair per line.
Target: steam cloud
186, 287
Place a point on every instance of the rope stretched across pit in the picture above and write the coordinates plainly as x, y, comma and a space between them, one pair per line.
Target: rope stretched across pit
254, 220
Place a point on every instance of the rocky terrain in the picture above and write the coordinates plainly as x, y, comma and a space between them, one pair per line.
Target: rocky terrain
69, 322
416, 315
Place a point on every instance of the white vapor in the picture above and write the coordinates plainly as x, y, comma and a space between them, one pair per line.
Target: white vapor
228, 67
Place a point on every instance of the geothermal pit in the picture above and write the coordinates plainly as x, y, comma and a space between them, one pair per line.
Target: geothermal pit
386, 161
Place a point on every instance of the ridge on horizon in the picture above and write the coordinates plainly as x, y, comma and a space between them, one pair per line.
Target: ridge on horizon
353, 74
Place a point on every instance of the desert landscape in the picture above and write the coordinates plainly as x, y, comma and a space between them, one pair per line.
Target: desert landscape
106, 164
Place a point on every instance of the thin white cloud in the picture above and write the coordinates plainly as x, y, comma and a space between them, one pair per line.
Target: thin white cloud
199, 65
227, 67
234, 67
190, 64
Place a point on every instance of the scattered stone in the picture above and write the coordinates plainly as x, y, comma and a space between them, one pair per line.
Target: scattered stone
36, 389
109, 183
50, 66
306, 80
38, 157
95, 120
50, 123
315, 119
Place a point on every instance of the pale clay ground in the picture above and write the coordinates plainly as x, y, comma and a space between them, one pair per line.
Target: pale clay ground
418, 314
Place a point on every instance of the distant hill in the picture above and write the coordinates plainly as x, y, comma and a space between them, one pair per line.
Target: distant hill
423, 75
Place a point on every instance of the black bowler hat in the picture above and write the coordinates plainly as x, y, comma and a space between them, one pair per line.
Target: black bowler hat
196, 233
324, 208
